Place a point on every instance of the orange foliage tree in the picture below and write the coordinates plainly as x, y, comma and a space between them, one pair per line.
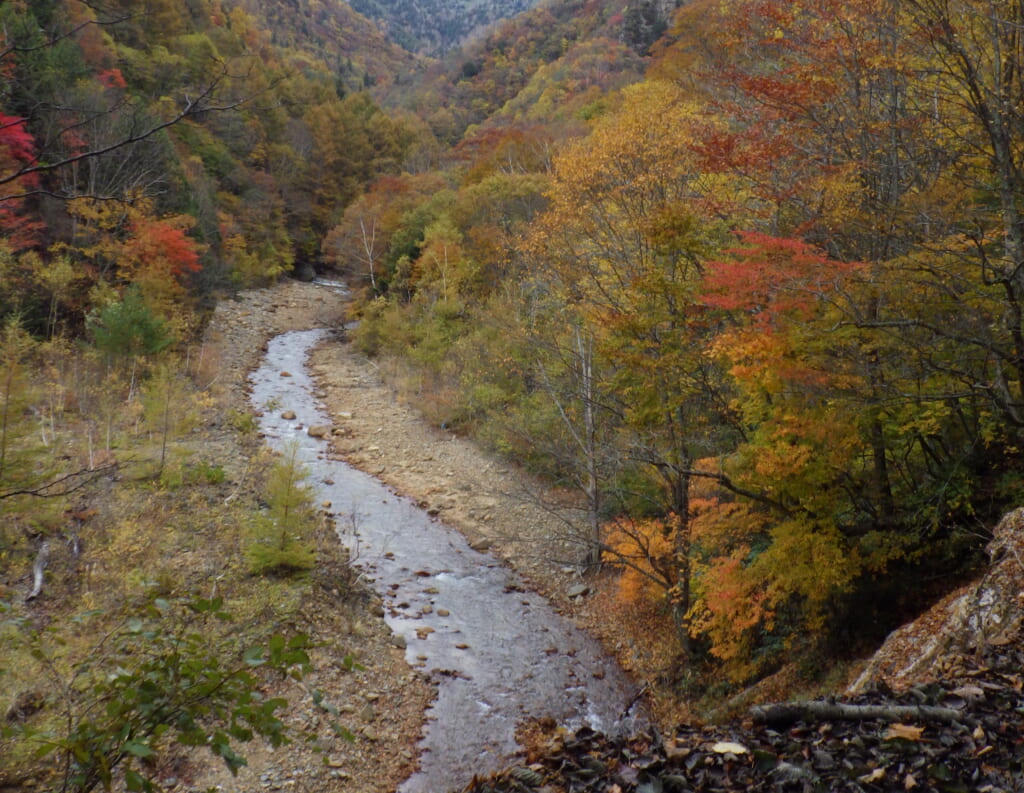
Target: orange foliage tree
624, 242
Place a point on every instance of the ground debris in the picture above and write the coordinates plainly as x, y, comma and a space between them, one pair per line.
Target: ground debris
822, 746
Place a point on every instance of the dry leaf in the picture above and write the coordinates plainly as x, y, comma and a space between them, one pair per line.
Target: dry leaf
909, 783
875, 776
727, 747
907, 732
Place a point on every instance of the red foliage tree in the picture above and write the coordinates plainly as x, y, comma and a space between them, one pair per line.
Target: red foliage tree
17, 150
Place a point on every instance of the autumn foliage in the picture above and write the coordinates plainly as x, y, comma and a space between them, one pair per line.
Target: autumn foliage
748, 281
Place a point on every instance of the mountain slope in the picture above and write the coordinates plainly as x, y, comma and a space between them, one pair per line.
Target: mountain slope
432, 27
334, 33
540, 65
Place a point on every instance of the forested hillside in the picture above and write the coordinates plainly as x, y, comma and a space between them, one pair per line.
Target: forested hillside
760, 311
553, 64
432, 27
209, 131
745, 279
156, 157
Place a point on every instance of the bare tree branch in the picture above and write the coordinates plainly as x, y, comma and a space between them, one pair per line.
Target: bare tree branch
191, 108
62, 485
12, 49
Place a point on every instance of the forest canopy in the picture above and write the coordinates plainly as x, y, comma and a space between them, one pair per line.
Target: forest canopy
744, 278
761, 310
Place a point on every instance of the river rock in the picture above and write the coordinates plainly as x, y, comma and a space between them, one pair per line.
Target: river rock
577, 591
288, 415
480, 544
319, 431
303, 271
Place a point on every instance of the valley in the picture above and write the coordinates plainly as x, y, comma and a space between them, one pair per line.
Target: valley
694, 328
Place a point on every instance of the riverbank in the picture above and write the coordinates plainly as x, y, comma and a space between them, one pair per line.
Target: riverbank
494, 505
380, 702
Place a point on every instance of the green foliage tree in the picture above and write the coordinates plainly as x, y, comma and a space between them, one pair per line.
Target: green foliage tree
167, 405
128, 328
281, 541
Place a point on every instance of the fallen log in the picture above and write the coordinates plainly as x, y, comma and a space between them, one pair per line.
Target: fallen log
786, 713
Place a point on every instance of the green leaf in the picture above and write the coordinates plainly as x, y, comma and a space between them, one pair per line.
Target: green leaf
138, 749
133, 780
343, 732
254, 657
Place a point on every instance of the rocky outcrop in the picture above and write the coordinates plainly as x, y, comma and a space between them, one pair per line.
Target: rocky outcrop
987, 613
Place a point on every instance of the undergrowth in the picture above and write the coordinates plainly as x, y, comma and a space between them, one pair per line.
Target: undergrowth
160, 512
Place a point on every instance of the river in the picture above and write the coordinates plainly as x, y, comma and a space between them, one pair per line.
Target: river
499, 653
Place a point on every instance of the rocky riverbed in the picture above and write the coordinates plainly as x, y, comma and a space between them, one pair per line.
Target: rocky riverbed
381, 701
495, 506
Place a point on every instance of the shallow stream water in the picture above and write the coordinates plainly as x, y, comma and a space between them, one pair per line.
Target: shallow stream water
499, 653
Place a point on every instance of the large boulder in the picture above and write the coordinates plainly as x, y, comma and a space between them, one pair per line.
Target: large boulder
303, 271
984, 614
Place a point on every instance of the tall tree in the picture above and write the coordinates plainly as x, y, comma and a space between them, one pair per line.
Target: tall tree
625, 240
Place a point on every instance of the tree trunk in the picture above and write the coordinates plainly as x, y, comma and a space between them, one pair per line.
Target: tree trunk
38, 567
682, 594
585, 353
